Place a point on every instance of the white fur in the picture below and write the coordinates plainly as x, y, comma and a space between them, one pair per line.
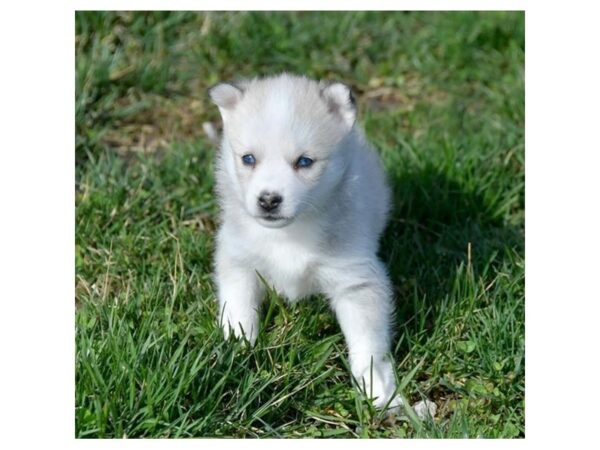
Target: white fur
333, 214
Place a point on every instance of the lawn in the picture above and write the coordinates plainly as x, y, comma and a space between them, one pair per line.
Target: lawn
441, 96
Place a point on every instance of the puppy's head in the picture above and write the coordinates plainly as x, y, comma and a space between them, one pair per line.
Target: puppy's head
281, 143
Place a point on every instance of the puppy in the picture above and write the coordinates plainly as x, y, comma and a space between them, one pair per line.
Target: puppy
303, 202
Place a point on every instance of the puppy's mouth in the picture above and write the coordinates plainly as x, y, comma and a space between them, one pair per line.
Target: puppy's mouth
274, 220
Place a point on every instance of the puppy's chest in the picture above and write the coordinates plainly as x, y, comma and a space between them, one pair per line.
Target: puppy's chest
288, 266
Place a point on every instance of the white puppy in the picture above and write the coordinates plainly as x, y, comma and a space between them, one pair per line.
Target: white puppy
304, 201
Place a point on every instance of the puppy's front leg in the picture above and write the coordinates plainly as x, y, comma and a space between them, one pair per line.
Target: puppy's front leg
240, 294
364, 310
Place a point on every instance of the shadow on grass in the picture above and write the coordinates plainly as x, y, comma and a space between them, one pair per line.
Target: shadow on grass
434, 219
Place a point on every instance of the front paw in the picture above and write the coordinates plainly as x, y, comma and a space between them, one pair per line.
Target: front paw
393, 405
379, 384
247, 331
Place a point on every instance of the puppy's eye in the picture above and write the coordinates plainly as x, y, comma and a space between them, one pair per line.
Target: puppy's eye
303, 162
249, 159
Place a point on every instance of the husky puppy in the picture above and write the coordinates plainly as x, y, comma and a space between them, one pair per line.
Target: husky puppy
303, 200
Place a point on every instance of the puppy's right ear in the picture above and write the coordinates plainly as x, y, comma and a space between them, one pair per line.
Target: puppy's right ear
226, 96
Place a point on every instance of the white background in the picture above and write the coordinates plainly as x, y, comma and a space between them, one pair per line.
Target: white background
37, 218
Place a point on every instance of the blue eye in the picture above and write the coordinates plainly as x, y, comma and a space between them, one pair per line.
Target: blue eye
249, 159
304, 162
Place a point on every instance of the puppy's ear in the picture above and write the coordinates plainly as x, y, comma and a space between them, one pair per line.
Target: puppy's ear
340, 101
226, 96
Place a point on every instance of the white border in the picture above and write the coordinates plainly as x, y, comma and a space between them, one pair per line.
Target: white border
37, 226
562, 224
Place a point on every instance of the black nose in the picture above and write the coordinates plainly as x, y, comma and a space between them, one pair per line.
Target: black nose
269, 201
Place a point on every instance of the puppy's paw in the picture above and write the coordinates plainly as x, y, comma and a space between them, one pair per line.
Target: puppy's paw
390, 407
424, 410
248, 334
375, 377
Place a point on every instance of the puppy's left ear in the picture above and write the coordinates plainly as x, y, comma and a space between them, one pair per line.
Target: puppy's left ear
340, 101
226, 96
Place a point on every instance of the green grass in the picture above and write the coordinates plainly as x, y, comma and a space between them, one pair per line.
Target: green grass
441, 95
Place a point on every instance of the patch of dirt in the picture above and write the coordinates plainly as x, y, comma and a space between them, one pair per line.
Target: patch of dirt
150, 123
401, 94
201, 222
